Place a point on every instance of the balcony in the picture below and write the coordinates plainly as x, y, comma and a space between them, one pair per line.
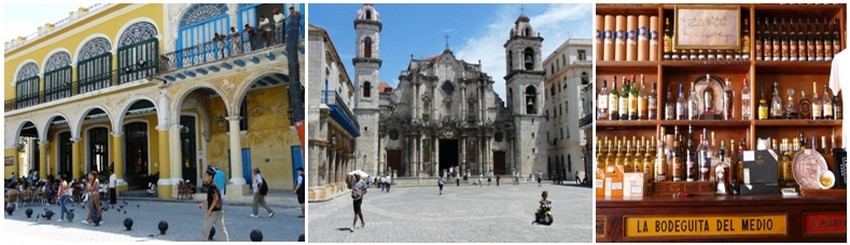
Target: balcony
585, 120
340, 112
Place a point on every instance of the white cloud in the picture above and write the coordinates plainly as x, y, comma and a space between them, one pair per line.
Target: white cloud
555, 25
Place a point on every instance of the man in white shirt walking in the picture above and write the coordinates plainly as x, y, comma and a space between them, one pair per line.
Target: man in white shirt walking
260, 191
113, 183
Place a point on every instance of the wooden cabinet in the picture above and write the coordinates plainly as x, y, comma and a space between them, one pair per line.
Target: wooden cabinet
668, 74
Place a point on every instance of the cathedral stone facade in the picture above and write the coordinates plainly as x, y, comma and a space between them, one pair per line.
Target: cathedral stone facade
444, 112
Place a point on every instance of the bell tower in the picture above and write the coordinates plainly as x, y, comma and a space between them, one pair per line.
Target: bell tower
367, 66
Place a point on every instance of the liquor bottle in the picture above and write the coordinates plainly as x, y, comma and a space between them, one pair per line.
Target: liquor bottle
801, 40
792, 41
733, 162
701, 54
649, 160
785, 164
818, 41
681, 104
746, 109
804, 108
745, 40
600, 152
691, 170
776, 110
614, 101
610, 157
759, 52
722, 174
633, 99
823, 147
816, 147
637, 158
704, 157
811, 53
602, 102
620, 157
790, 106
715, 153
762, 103
668, 40
678, 166
642, 99
777, 42
652, 100
624, 100
837, 107
786, 55
739, 169
728, 101
627, 155
661, 160
836, 38
693, 103
827, 104
827, 42
669, 106
768, 41
817, 104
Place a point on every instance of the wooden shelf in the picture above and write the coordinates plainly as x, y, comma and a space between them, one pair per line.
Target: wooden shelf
627, 9
798, 8
798, 123
706, 65
625, 67
708, 123
798, 67
607, 124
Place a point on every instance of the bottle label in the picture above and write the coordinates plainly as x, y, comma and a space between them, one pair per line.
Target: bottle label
642, 108
621, 35
816, 111
643, 34
632, 35
602, 102
613, 104
827, 109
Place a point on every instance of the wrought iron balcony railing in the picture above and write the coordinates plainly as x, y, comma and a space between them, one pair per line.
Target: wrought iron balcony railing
67, 90
216, 50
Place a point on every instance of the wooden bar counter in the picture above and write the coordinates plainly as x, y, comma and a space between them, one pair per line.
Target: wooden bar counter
757, 218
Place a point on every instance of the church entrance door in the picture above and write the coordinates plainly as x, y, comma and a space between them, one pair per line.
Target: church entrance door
394, 160
449, 154
499, 162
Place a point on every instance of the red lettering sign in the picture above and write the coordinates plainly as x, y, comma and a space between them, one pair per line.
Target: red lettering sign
830, 223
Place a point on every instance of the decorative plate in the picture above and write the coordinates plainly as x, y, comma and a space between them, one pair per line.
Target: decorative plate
808, 166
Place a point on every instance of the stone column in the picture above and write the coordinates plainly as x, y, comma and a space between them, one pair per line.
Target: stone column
175, 156
419, 156
332, 172
42, 159
236, 170
312, 168
118, 157
76, 161
436, 155
165, 185
462, 160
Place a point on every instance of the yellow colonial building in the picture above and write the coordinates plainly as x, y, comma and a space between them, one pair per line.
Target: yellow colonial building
146, 90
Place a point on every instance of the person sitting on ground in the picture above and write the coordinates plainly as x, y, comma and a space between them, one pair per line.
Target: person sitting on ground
151, 189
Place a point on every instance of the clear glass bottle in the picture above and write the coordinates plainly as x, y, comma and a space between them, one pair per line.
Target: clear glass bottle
723, 174
837, 107
681, 104
602, 102
817, 104
728, 101
652, 100
661, 159
776, 110
642, 100
669, 106
693, 103
627, 155
827, 103
746, 109
704, 154
691, 169
790, 105
614, 101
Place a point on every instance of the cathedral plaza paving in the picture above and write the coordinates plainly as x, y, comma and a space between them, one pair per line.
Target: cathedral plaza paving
184, 223
462, 214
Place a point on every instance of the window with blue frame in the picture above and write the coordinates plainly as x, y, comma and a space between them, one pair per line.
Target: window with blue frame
26, 86
57, 77
197, 28
94, 65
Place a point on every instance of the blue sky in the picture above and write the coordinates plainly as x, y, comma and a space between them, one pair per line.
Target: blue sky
477, 32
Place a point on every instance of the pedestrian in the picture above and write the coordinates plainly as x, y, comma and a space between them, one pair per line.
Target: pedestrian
480, 180
94, 199
261, 188
457, 178
489, 178
498, 177
12, 178
265, 30
539, 178
299, 190
235, 42
382, 182
64, 194
213, 214
389, 182
358, 190
252, 37
220, 180
278, 26
113, 183
440, 183
218, 43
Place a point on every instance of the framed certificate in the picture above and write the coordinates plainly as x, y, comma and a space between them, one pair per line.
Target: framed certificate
707, 27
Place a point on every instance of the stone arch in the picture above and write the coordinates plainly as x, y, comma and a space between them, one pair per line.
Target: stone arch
181, 96
45, 127
15, 136
79, 118
56, 58
242, 90
531, 99
130, 26
93, 45
117, 125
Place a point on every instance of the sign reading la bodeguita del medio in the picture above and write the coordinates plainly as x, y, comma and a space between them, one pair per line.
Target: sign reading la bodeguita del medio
706, 225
